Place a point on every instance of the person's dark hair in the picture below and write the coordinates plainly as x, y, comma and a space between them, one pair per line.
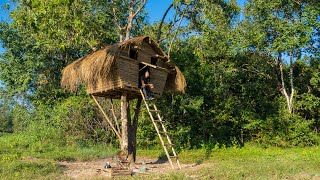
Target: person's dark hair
148, 69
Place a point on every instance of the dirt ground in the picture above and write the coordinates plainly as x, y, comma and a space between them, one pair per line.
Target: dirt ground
95, 169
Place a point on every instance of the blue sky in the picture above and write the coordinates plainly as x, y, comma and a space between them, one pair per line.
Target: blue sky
3, 16
155, 8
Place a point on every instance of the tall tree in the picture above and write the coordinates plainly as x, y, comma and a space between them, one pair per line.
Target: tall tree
132, 10
286, 28
44, 37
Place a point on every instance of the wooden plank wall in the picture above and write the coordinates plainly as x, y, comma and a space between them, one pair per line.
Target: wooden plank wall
145, 53
158, 77
125, 73
128, 70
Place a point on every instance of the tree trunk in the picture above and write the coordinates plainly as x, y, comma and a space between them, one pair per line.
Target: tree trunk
120, 37
291, 83
133, 131
129, 129
283, 90
129, 27
124, 120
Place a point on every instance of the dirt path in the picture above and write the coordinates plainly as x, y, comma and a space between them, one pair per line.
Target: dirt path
95, 168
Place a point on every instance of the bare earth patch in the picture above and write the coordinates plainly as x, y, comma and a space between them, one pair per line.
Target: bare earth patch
95, 168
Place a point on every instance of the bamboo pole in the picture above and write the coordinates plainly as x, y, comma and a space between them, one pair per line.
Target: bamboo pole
107, 118
114, 115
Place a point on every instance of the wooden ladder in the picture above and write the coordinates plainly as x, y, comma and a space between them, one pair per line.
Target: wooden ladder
162, 131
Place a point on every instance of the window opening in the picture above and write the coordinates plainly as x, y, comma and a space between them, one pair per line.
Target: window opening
133, 54
154, 61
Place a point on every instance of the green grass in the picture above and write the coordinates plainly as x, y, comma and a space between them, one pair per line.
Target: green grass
21, 146
12, 168
22, 158
250, 162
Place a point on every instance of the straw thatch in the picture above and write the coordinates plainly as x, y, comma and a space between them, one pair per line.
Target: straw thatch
100, 66
175, 82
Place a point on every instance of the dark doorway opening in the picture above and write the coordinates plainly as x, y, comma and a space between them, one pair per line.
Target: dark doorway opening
154, 61
133, 54
142, 70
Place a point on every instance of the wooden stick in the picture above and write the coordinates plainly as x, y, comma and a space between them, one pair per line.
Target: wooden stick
115, 116
160, 57
107, 118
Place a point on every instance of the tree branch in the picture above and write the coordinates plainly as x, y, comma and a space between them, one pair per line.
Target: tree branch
140, 8
291, 81
283, 88
132, 15
162, 20
92, 47
115, 19
181, 18
168, 32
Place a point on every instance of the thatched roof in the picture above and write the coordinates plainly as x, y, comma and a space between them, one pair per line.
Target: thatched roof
98, 65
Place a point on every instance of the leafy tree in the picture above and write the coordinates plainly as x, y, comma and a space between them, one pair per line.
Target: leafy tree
234, 70
286, 28
44, 37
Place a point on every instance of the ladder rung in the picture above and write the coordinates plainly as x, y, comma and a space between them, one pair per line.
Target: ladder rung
174, 157
171, 145
151, 107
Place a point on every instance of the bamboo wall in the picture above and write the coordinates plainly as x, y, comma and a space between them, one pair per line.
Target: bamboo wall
158, 78
125, 74
128, 70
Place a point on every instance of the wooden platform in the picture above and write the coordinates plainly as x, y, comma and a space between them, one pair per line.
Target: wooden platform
115, 93
115, 171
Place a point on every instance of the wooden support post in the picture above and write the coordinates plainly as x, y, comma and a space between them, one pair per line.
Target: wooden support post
107, 118
129, 127
133, 130
124, 120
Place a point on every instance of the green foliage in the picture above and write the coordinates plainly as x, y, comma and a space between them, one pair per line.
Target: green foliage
43, 38
19, 146
146, 135
20, 117
5, 119
74, 121
287, 130
286, 26
228, 60
11, 168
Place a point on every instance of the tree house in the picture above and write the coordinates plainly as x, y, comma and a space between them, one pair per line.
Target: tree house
114, 72
116, 69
